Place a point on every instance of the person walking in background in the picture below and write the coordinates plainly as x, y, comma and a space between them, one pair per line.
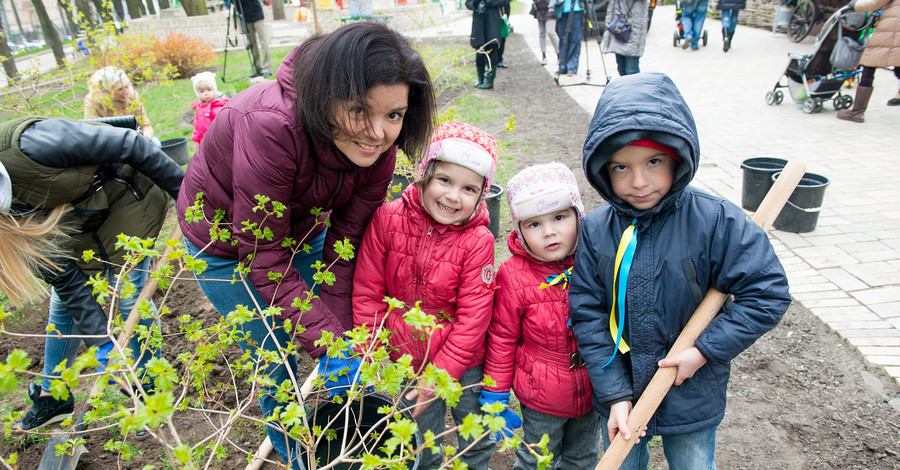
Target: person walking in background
546, 27
252, 13
628, 52
432, 248
323, 135
95, 181
730, 10
569, 28
485, 38
882, 50
895, 101
207, 107
504, 17
693, 15
530, 341
111, 93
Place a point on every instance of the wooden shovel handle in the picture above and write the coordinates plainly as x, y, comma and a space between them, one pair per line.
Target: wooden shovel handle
266, 447
664, 377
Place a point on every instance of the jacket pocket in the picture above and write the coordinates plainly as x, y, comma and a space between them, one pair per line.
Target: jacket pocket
690, 277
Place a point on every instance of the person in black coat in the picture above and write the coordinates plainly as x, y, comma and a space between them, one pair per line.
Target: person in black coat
485, 38
252, 13
730, 9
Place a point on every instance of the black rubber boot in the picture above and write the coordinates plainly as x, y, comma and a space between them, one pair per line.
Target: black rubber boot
895, 101
480, 81
863, 93
726, 40
488, 80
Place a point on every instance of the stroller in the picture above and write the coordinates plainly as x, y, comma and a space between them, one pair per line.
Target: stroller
812, 78
679, 28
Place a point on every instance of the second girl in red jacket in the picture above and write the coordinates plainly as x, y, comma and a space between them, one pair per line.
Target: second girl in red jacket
433, 245
531, 347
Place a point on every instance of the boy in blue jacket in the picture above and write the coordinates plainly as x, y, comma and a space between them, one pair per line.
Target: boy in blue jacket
646, 260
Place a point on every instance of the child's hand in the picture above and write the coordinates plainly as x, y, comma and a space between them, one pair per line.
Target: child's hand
618, 420
687, 362
422, 398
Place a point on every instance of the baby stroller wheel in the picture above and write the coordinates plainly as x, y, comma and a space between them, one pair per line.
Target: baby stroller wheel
676, 38
809, 105
770, 98
705, 37
847, 101
837, 103
779, 97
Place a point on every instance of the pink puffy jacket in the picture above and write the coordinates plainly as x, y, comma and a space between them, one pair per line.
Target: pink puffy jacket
406, 255
530, 344
204, 115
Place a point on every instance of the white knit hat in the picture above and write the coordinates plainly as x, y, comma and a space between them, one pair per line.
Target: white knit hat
5, 190
107, 77
205, 77
542, 189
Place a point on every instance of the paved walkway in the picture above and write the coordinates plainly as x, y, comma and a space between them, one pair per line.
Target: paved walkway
847, 271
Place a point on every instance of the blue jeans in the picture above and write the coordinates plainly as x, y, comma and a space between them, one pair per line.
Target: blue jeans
729, 19
694, 451
226, 296
570, 45
574, 442
435, 419
692, 19
627, 64
57, 349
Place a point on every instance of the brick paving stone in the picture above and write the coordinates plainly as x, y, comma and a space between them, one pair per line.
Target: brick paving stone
876, 333
857, 317
880, 350
887, 310
843, 279
805, 297
844, 325
878, 295
883, 360
884, 341
845, 301
814, 285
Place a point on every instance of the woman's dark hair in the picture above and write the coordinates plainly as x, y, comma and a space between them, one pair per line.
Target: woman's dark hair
345, 64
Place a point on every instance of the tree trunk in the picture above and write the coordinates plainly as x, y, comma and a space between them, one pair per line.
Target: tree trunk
119, 8
50, 33
277, 10
85, 18
194, 7
163, 4
106, 15
18, 21
134, 8
9, 65
151, 10
66, 8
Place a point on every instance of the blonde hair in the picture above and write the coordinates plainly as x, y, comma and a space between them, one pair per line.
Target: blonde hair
27, 246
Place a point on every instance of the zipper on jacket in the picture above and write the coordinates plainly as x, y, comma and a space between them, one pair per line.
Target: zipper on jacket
337, 189
420, 262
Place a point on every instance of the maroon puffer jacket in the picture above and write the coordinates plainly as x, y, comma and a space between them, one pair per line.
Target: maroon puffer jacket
256, 146
531, 325
450, 269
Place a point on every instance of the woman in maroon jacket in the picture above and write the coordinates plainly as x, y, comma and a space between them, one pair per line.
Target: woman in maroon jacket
323, 135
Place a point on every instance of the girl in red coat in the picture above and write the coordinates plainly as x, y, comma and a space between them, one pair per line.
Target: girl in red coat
433, 246
531, 347
209, 104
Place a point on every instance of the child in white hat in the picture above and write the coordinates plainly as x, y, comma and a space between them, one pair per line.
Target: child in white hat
208, 105
531, 347
111, 93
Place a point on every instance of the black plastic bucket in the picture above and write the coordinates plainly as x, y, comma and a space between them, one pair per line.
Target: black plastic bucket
364, 416
758, 179
399, 179
493, 205
801, 213
177, 150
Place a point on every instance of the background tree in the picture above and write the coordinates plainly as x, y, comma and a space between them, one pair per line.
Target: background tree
278, 10
50, 34
194, 7
151, 10
84, 15
106, 14
163, 4
9, 64
135, 8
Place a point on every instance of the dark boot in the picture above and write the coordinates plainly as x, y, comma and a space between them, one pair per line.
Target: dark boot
726, 40
863, 93
895, 101
488, 80
480, 81
44, 410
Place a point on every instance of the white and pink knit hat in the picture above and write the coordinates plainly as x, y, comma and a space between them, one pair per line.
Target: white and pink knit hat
541, 189
464, 145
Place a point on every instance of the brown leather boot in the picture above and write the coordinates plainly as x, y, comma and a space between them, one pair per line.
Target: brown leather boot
860, 104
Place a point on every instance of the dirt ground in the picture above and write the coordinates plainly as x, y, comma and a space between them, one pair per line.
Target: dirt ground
800, 398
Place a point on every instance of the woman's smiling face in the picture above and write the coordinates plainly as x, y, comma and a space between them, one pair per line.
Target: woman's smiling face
369, 129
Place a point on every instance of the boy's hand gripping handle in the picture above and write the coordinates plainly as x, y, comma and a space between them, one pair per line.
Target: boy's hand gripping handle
664, 377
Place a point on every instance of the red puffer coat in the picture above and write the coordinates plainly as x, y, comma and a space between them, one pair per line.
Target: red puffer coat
406, 255
255, 146
530, 344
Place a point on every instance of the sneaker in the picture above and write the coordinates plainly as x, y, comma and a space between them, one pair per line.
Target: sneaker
544, 60
687, 43
502, 65
45, 410
895, 101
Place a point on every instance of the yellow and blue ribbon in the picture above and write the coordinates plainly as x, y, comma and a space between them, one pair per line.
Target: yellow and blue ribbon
624, 257
561, 278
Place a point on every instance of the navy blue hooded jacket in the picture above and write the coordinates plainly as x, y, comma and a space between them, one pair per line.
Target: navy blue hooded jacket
691, 241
